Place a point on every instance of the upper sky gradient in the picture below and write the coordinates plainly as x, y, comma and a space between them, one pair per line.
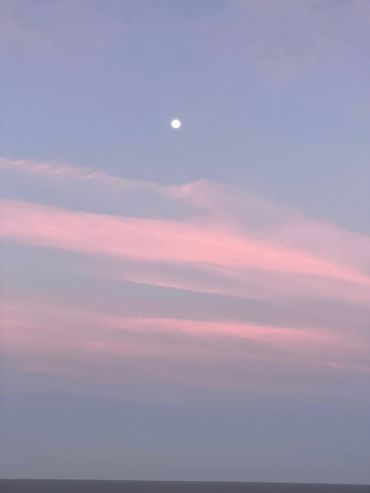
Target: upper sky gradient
188, 304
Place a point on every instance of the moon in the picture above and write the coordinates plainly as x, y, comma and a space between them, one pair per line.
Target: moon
175, 123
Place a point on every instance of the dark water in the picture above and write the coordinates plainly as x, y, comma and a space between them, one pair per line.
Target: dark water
62, 486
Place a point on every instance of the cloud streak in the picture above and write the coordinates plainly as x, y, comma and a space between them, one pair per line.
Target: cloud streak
160, 240
229, 243
32, 333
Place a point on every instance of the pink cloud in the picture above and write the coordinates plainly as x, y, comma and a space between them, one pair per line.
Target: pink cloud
160, 240
227, 207
221, 246
33, 328
72, 343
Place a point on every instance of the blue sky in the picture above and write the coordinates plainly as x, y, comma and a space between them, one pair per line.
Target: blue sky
188, 304
278, 89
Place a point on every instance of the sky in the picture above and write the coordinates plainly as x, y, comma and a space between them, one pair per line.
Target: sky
188, 304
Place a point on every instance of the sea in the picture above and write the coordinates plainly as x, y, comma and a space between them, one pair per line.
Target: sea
81, 486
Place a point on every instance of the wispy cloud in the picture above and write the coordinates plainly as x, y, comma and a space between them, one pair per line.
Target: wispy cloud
228, 242
33, 332
70, 172
166, 241
251, 246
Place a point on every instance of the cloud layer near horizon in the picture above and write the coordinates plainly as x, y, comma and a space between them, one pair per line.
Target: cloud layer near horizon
186, 243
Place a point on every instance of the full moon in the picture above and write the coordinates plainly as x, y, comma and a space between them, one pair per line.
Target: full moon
175, 123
